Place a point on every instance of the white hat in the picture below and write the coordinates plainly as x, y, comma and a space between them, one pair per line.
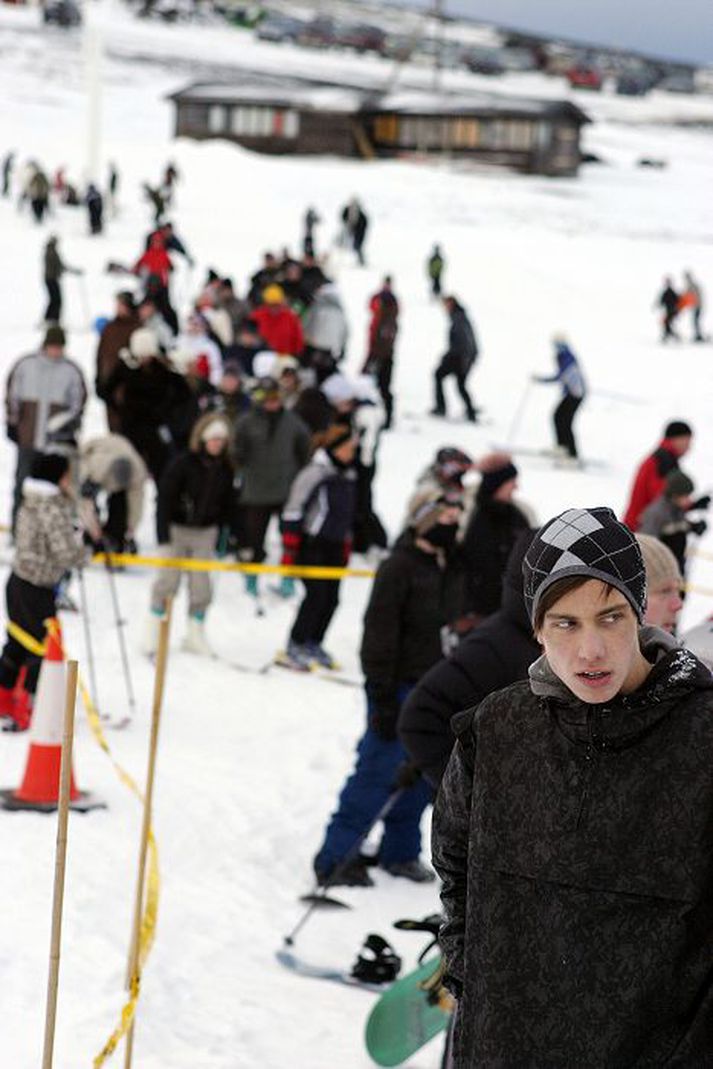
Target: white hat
337, 389
215, 428
265, 365
143, 342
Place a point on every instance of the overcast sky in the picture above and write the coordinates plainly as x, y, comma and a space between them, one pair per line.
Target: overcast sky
679, 29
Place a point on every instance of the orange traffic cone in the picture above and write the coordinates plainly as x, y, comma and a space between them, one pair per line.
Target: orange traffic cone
39, 789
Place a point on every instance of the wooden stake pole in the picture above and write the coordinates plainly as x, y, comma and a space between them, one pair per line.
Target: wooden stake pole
159, 680
65, 777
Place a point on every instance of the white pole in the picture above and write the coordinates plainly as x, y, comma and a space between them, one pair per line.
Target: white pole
92, 71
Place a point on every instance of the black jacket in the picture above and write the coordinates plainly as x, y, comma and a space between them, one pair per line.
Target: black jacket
196, 490
145, 396
413, 596
492, 531
574, 842
462, 346
496, 653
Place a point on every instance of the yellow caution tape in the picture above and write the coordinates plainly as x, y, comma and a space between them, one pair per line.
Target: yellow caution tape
25, 639
153, 888
193, 564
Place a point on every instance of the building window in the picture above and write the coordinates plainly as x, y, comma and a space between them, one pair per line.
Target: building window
217, 119
193, 116
465, 133
290, 123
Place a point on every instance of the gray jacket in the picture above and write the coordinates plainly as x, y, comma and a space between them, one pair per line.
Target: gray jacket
269, 450
45, 400
45, 541
325, 324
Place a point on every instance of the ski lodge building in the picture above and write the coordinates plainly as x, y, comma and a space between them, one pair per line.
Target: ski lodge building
533, 136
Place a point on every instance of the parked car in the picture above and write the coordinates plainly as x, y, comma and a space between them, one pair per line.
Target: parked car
584, 78
633, 84
279, 28
63, 13
361, 37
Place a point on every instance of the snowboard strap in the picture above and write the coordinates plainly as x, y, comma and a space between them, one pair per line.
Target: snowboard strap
377, 963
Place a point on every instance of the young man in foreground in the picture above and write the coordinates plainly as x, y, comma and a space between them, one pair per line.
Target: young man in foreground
574, 830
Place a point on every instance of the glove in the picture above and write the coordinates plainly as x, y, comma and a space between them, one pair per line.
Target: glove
702, 503
699, 527
287, 586
407, 775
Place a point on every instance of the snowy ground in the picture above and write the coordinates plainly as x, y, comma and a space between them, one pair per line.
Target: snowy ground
249, 766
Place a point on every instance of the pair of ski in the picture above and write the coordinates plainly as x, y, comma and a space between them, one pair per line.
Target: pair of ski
328, 674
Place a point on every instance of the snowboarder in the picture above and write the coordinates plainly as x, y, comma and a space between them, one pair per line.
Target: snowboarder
317, 523
535, 824
669, 300
434, 268
651, 474
569, 376
666, 519
416, 591
195, 500
356, 222
383, 328
458, 360
46, 546
45, 399
95, 208
54, 268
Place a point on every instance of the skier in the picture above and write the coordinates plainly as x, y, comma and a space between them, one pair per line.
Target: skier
271, 446
569, 376
355, 223
45, 399
550, 882
383, 328
669, 301
95, 208
326, 332
458, 360
692, 297
666, 519
54, 268
110, 468
45, 548
158, 202
195, 500
113, 188
113, 338
317, 523
494, 526
38, 193
416, 590
434, 268
651, 474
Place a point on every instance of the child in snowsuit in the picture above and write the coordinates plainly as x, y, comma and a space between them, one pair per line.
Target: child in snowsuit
317, 524
45, 547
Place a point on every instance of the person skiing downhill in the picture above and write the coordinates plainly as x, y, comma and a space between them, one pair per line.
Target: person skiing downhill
458, 359
570, 378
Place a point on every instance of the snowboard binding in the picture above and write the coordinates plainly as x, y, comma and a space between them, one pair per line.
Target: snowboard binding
377, 963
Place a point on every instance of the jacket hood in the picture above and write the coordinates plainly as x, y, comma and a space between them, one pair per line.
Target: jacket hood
676, 673
200, 425
40, 488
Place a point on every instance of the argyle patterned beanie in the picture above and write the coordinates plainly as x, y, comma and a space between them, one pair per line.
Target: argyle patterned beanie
587, 542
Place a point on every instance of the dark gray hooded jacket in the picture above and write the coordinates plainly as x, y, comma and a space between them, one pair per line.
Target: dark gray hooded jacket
575, 845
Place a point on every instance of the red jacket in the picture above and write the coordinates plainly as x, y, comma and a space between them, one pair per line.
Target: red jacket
280, 328
155, 261
649, 482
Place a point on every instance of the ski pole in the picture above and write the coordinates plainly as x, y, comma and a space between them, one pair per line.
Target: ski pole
120, 631
88, 639
320, 894
519, 413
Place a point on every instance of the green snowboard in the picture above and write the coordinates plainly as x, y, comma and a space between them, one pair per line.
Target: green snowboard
405, 1017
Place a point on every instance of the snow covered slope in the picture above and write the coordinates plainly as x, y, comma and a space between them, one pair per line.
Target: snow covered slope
249, 766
